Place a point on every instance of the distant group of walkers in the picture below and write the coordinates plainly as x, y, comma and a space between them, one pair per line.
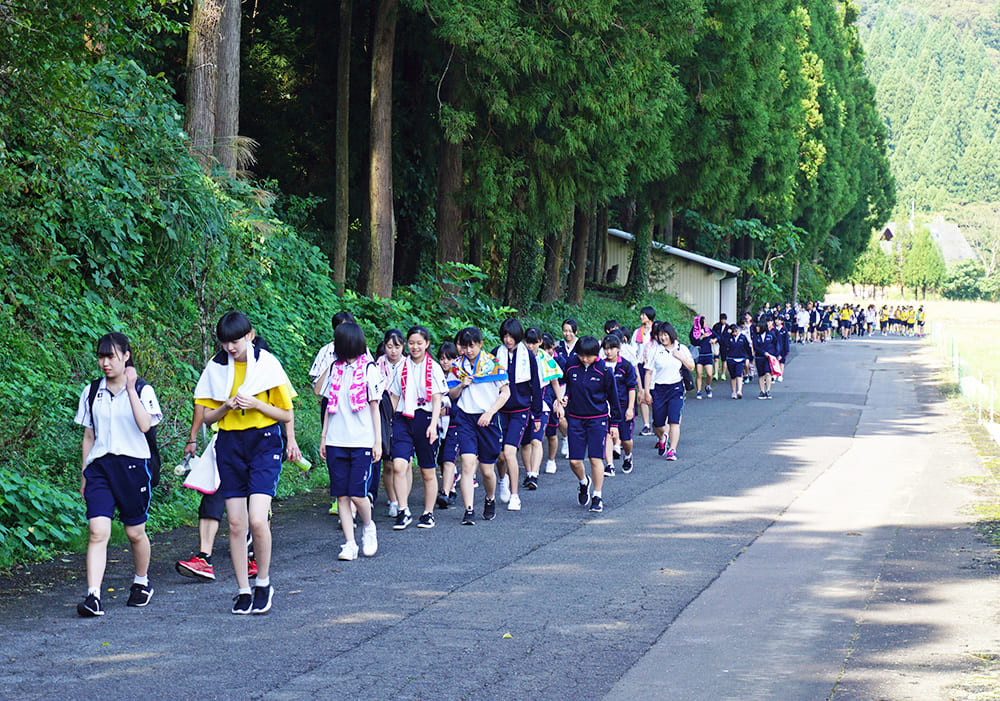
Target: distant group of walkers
468, 417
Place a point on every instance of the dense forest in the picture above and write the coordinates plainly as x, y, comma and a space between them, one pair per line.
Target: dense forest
936, 68
451, 161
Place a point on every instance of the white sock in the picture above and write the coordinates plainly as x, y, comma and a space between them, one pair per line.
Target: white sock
583, 481
96, 591
629, 456
597, 493
144, 581
245, 591
263, 581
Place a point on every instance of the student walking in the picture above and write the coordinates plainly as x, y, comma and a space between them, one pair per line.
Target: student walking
448, 429
116, 412
352, 435
549, 376
704, 338
765, 346
626, 382
592, 398
523, 410
212, 507
643, 342
482, 390
389, 355
245, 389
666, 396
739, 353
416, 389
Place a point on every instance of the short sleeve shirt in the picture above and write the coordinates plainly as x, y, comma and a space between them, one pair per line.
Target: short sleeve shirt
115, 429
415, 379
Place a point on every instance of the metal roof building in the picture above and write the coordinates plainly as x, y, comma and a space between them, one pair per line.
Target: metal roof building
706, 285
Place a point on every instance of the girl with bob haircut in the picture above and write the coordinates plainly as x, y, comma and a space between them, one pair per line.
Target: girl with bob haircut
352, 435
665, 387
246, 391
116, 412
522, 413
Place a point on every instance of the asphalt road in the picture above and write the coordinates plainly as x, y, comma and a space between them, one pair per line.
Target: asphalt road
816, 546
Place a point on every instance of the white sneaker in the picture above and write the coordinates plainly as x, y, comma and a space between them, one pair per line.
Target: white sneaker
348, 551
369, 540
550, 467
515, 503
393, 510
565, 448
505, 489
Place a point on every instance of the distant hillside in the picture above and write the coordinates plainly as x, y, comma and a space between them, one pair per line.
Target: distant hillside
935, 69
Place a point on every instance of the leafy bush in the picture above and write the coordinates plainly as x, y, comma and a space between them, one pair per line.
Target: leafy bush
36, 518
964, 281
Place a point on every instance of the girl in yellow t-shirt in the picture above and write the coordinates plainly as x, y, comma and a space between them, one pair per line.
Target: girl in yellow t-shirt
245, 390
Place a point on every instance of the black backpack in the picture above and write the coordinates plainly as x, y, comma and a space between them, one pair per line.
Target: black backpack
154, 450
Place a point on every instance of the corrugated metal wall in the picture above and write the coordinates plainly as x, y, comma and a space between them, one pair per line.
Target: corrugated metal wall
694, 284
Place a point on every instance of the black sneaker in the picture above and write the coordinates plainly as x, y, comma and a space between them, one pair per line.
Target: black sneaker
452, 497
262, 599
596, 505
646, 431
403, 519
242, 603
442, 501
768, 395
609, 470
762, 395
626, 466
490, 510
469, 519
139, 595
584, 496
532, 483
526, 482
426, 520
90, 607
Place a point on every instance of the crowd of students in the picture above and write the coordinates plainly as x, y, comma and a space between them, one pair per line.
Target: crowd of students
478, 416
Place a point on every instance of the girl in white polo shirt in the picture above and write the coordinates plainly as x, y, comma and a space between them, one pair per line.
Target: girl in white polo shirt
352, 434
116, 412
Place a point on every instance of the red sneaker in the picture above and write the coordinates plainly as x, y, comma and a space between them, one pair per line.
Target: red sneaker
252, 568
196, 567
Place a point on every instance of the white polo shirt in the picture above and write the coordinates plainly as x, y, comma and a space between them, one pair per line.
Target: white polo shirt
666, 368
415, 379
355, 429
116, 432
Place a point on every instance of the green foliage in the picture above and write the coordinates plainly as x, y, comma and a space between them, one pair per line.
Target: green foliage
36, 518
599, 307
875, 267
921, 264
967, 280
934, 67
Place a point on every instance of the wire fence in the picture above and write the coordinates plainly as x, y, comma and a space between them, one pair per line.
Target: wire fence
978, 390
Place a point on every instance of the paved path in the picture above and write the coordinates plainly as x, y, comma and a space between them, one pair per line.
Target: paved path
816, 546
